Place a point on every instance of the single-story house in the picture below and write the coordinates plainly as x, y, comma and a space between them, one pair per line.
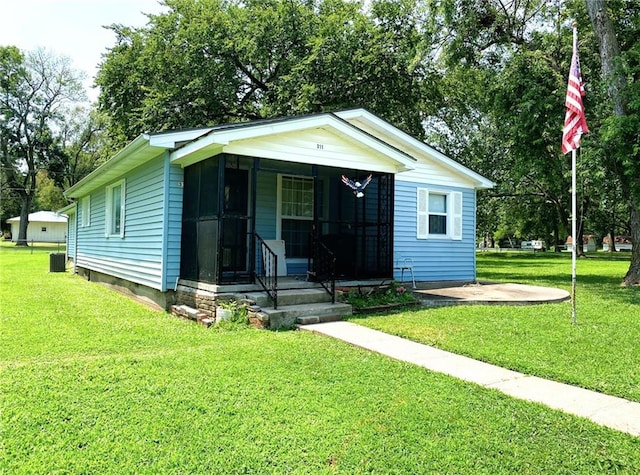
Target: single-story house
622, 243
589, 243
227, 204
44, 226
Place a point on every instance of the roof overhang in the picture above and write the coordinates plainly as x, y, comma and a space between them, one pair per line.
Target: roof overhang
144, 148
300, 140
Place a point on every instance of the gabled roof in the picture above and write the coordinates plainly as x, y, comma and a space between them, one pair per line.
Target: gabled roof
353, 138
314, 137
365, 120
42, 217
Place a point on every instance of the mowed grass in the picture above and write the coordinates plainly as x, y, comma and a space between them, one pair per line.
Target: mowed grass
92, 382
601, 352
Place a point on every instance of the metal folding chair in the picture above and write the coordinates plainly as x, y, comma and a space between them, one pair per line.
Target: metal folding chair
405, 264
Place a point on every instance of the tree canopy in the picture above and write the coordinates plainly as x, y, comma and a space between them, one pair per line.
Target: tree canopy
219, 61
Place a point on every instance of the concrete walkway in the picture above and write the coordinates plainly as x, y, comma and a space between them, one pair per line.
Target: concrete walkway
608, 411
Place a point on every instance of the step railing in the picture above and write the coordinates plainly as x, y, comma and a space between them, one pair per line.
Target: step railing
322, 266
267, 273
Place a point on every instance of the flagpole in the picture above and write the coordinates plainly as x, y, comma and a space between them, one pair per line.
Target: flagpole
574, 208
574, 247
575, 124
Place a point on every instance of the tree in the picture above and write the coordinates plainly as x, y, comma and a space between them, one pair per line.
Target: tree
218, 61
616, 30
35, 90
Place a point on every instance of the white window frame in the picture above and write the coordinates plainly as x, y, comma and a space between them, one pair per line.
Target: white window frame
110, 212
85, 210
280, 216
453, 214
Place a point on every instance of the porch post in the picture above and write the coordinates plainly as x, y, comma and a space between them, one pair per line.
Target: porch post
252, 225
218, 244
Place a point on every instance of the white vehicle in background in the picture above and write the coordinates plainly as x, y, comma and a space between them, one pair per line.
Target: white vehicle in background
534, 245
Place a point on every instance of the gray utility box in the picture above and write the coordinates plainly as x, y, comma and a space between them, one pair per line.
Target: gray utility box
57, 262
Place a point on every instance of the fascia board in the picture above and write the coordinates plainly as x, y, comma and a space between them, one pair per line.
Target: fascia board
171, 139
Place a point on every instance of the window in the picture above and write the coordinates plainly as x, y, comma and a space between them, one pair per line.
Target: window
296, 212
439, 214
43, 229
85, 210
114, 216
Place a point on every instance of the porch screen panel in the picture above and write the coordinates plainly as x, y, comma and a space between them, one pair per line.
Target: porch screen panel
208, 195
198, 259
207, 249
189, 253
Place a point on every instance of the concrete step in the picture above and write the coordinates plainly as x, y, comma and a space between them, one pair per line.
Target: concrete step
287, 316
290, 297
190, 313
311, 319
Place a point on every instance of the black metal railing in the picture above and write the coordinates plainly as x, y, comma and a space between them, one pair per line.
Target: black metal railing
267, 273
322, 266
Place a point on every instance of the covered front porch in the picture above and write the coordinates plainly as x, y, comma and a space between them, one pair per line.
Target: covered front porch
247, 218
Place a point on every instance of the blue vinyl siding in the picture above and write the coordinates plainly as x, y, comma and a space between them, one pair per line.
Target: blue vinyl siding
173, 229
266, 205
434, 259
137, 256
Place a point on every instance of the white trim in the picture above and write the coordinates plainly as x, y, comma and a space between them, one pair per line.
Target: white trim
85, 209
279, 215
455, 216
110, 212
422, 213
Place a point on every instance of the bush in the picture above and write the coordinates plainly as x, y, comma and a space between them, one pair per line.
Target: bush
394, 293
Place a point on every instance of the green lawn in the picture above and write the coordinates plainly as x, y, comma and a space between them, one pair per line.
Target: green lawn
91, 382
601, 352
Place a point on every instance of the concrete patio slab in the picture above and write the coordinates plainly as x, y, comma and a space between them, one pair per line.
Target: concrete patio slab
488, 293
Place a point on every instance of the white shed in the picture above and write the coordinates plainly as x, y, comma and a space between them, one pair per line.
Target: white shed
44, 226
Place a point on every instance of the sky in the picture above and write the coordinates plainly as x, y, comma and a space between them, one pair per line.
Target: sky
72, 28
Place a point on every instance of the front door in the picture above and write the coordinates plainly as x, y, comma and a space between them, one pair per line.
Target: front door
234, 242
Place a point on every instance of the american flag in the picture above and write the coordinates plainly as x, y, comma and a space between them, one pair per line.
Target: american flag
575, 122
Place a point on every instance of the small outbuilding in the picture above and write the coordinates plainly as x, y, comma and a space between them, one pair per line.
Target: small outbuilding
44, 226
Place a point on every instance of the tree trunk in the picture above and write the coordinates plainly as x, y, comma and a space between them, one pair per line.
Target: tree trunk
633, 274
24, 221
609, 51
609, 54
612, 239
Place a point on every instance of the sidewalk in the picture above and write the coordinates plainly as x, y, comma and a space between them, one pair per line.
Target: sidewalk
608, 411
